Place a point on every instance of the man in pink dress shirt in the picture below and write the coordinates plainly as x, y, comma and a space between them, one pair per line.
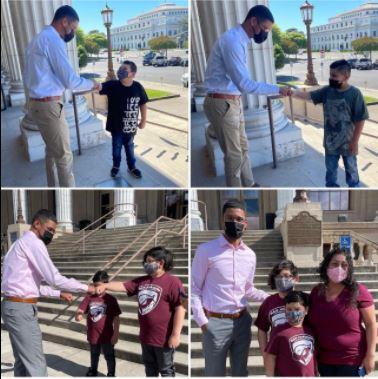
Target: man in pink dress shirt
222, 277
25, 266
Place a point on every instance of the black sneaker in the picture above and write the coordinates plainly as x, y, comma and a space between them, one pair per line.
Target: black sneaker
114, 171
91, 372
110, 374
135, 173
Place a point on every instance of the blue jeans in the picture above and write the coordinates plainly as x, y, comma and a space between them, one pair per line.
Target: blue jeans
351, 170
126, 140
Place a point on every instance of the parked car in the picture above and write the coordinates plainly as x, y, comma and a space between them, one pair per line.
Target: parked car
147, 59
184, 62
174, 61
352, 62
159, 61
185, 80
375, 64
364, 64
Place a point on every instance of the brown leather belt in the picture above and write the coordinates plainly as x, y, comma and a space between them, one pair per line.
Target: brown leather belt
233, 316
223, 96
48, 98
31, 300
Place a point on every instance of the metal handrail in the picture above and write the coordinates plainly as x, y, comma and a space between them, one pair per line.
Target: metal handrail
205, 209
79, 93
119, 254
271, 126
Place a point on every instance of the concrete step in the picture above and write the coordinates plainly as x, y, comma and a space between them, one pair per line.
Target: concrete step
136, 271
313, 270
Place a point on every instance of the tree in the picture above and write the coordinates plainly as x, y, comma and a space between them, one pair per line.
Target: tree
83, 56
298, 38
288, 46
95, 31
279, 57
90, 46
99, 39
276, 34
365, 45
163, 42
80, 36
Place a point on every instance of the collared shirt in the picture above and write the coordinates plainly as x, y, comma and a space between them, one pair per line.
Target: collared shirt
26, 264
48, 71
227, 71
222, 279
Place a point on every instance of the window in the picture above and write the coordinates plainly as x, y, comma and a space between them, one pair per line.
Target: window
331, 200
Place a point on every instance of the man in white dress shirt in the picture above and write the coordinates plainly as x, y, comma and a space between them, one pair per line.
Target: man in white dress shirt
226, 78
47, 74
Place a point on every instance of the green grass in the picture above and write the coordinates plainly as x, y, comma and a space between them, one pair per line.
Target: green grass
157, 94
370, 99
292, 83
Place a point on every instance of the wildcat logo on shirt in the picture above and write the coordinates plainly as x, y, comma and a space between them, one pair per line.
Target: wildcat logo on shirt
97, 311
148, 297
277, 316
130, 121
302, 348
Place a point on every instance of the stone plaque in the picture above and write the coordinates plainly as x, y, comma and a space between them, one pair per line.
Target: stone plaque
304, 230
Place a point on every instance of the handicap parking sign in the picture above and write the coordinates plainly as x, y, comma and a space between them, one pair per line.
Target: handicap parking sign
345, 242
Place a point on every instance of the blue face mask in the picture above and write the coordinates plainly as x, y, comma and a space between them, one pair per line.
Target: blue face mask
122, 74
295, 317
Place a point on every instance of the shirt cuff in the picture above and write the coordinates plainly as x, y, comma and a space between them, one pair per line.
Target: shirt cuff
201, 320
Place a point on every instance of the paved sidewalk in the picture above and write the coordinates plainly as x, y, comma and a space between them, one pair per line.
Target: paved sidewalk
304, 171
66, 361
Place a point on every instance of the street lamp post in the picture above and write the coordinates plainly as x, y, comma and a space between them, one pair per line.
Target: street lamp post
107, 17
307, 10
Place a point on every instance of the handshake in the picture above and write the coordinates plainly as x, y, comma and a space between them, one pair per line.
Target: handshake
96, 86
286, 91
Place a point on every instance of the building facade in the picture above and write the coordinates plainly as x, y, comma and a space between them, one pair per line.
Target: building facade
346, 27
76, 209
165, 20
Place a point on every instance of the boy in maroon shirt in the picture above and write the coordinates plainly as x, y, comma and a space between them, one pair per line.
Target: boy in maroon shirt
290, 351
102, 324
283, 277
161, 300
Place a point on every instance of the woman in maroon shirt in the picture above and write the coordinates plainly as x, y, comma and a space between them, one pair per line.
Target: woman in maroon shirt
342, 317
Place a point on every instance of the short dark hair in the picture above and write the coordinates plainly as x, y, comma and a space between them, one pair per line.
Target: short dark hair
101, 276
283, 265
132, 65
297, 297
44, 215
160, 253
341, 66
261, 12
233, 203
66, 11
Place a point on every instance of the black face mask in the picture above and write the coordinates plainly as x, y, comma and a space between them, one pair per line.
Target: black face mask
260, 37
233, 229
335, 83
68, 37
47, 237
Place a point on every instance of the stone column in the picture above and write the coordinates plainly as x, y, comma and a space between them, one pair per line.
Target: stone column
196, 222
284, 197
125, 214
16, 90
5, 79
63, 198
215, 17
20, 203
30, 17
376, 216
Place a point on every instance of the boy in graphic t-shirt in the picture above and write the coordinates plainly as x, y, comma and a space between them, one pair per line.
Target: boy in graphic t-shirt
162, 300
102, 324
290, 351
126, 97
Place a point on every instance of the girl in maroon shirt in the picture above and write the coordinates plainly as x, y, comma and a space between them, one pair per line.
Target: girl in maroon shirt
283, 277
342, 317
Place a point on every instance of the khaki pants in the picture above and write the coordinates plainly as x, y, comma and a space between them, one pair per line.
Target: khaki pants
49, 117
227, 122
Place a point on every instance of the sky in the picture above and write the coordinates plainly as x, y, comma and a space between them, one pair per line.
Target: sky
90, 11
285, 12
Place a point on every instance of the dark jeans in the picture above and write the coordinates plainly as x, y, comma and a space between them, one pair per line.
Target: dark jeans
158, 360
108, 351
351, 170
126, 140
337, 370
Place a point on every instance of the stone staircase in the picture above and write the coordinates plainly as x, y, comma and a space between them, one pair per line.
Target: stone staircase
268, 246
100, 247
